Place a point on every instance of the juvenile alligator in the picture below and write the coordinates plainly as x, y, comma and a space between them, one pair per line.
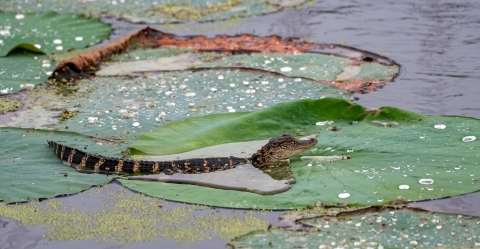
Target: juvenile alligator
279, 148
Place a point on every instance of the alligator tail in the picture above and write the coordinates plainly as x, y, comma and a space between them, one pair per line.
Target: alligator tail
93, 163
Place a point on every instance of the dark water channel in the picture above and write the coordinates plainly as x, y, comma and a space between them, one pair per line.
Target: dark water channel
437, 43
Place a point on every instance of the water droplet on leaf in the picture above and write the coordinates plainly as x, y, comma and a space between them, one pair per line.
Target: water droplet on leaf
468, 139
286, 69
92, 119
403, 187
426, 181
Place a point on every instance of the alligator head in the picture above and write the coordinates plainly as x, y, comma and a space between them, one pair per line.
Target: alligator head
280, 148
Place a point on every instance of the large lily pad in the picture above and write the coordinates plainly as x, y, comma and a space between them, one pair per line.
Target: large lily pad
314, 66
126, 108
30, 169
162, 11
387, 229
395, 156
294, 117
49, 33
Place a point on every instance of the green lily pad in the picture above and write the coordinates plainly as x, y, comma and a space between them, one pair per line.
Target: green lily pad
49, 33
294, 117
126, 108
148, 54
318, 67
395, 156
171, 63
23, 69
387, 229
162, 11
30, 169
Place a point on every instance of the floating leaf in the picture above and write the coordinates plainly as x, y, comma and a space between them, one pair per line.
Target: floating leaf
388, 152
350, 73
164, 11
320, 67
297, 116
49, 33
388, 229
30, 169
128, 107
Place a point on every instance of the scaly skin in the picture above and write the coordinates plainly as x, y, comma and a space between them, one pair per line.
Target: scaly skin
277, 149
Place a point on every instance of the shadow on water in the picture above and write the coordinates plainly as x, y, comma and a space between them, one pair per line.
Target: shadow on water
435, 41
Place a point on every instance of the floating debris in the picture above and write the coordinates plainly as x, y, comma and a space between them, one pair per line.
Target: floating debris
440, 126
